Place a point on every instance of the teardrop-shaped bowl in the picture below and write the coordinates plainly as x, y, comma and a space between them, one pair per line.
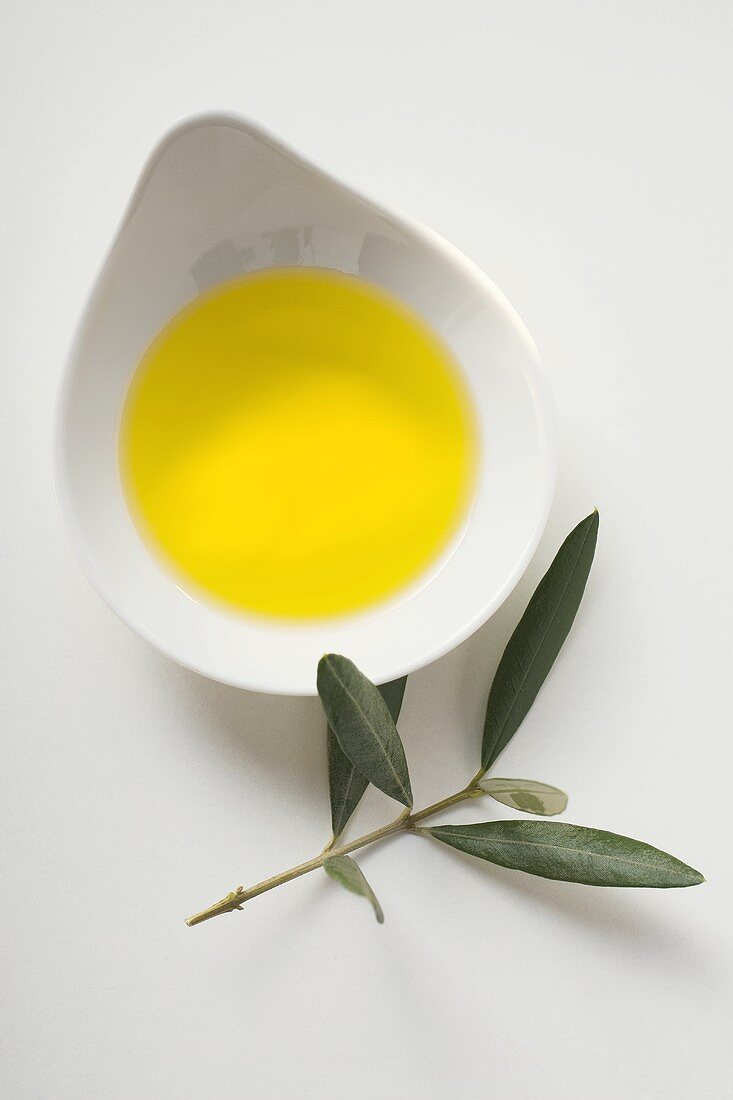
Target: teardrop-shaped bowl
218, 197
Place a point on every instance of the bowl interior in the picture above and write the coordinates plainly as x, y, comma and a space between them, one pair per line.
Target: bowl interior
218, 198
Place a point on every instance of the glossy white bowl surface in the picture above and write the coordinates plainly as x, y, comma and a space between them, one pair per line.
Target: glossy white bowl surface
220, 197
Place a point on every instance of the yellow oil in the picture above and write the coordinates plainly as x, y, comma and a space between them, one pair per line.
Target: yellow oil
297, 444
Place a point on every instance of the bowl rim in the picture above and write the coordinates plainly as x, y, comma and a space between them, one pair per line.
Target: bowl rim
534, 372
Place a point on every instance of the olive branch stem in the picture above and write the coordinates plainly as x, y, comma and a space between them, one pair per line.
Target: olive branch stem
406, 821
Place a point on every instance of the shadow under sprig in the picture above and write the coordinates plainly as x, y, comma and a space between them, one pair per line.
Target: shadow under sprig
274, 734
618, 917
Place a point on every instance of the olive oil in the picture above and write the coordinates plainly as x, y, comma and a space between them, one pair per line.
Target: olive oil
297, 444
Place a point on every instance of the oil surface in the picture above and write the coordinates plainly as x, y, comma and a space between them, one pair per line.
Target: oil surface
297, 444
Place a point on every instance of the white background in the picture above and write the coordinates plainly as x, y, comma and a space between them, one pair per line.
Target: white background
580, 152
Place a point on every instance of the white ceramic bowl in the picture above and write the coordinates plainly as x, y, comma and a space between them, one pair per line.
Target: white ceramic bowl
218, 197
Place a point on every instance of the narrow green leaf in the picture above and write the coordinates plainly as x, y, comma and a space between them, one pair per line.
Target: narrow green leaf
393, 693
346, 784
552, 849
538, 638
344, 870
526, 795
363, 726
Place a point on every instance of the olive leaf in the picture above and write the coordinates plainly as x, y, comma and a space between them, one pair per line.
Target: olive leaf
346, 784
344, 870
526, 795
538, 638
363, 726
552, 849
